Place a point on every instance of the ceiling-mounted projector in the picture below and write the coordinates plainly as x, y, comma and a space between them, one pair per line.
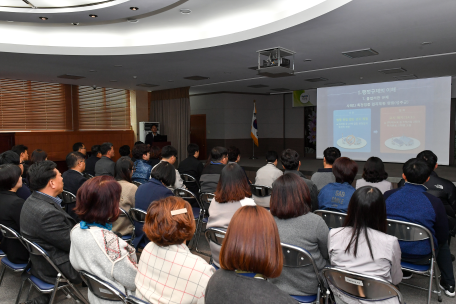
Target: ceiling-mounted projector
277, 60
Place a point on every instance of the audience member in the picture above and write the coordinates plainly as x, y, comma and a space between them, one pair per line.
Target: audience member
291, 164
336, 196
124, 171
92, 160
234, 156
266, 175
163, 176
411, 203
169, 224
10, 211
214, 166
38, 156
155, 155
138, 142
325, 176
169, 155
22, 151
362, 245
44, 222
79, 147
9, 157
94, 247
73, 178
192, 166
232, 193
142, 172
251, 254
374, 175
125, 151
298, 226
105, 165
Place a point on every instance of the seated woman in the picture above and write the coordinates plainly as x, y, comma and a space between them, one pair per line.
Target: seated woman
167, 271
38, 155
163, 175
94, 247
142, 173
124, 170
155, 156
232, 193
362, 245
250, 255
336, 196
374, 175
10, 211
291, 206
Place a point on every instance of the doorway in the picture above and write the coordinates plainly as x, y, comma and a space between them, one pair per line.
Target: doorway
198, 133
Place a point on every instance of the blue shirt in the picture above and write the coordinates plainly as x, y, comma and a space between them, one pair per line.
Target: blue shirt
335, 196
142, 172
56, 200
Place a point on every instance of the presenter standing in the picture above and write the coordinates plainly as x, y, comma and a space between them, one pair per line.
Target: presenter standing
153, 136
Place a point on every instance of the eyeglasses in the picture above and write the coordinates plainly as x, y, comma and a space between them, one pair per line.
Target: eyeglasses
133, 169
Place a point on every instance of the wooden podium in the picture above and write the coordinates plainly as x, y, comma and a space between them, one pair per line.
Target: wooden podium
161, 144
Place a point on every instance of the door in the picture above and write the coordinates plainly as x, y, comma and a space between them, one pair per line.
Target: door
6, 141
198, 133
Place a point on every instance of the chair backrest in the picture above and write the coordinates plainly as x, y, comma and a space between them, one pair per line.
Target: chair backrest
332, 218
68, 197
409, 232
261, 191
361, 286
206, 197
35, 249
187, 195
9, 233
102, 289
125, 214
294, 257
87, 175
188, 179
135, 300
136, 183
215, 235
138, 215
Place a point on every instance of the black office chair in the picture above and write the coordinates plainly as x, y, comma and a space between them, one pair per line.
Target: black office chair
128, 237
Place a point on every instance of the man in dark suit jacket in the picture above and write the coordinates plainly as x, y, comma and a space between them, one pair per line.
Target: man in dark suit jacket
153, 136
192, 166
10, 157
73, 178
106, 166
92, 160
44, 222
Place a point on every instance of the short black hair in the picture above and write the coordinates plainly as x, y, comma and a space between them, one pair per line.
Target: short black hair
10, 157
290, 159
168, 151
429, 157
271, 156
73, 158
165, 173
154, 125
217, 153
374, 170
41, 173
140, 150
77, 146
331, 154
105, 147
233, 153
138, 142
95, 149
18, 149
124, 150
124, 166
192, 149
9, 176
416, 171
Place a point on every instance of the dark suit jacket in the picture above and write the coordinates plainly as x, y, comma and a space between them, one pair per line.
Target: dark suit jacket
150, 138
90, 165
193, 167
45, 223
10, 211
105, 166
72, 181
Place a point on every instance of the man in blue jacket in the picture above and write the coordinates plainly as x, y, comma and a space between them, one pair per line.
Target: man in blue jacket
411, 203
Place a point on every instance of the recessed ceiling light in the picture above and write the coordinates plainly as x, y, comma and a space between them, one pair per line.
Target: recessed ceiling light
307, 59
185, 11
93, 16
426, 43
75, 23
134, 8
43, 18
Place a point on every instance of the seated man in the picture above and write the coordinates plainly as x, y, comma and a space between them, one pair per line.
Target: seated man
92, 160
79, 147
325, 176
234, 156
192, 166
9, 157
411, 203
124, 151
106, 166
73, 178
211, 172
266, 175
44, 222
22, 151
169, 154
291, 164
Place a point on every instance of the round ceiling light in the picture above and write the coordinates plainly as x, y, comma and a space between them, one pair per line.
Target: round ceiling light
43, 18
185, 11
93, 16
134, 8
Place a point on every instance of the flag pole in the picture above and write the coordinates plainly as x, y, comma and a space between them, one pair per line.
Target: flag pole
253, 142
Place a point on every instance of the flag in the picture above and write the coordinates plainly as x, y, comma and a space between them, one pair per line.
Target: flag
254, 126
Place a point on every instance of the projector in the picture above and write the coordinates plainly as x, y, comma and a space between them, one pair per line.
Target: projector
275, 61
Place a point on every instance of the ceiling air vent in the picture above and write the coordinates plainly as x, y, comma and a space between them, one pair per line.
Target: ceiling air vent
196, 78
334, 84
258, 86
393, 71
281, 90
147, 85
360, 53
316, 79
67, 76
406, 77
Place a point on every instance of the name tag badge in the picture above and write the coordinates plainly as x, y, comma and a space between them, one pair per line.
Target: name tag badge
354, 281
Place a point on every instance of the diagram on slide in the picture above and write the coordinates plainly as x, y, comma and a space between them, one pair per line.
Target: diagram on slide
352, 130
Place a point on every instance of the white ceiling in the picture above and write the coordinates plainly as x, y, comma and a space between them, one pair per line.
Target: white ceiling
395, 29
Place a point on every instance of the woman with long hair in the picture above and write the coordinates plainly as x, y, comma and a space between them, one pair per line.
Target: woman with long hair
374, 175
362, 245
